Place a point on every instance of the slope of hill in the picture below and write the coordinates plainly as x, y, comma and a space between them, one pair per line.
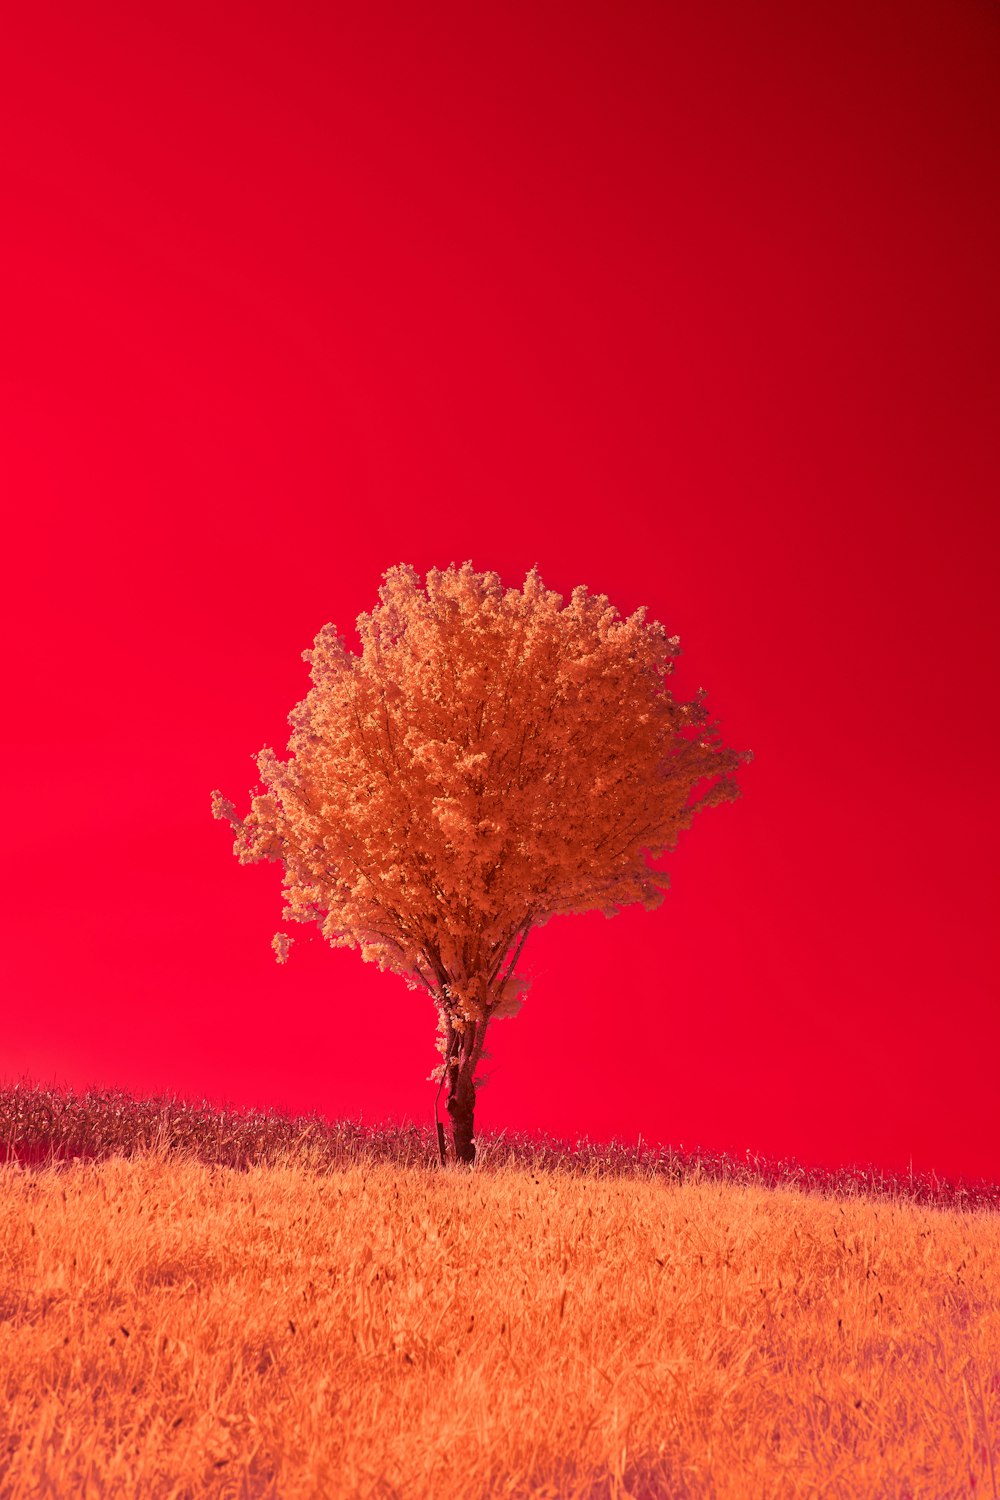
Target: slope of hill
169, 1327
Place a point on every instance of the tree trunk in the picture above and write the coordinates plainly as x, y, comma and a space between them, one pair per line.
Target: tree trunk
462, 1093
462, 1108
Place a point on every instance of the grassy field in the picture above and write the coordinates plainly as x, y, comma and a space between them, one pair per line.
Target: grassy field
308, 1327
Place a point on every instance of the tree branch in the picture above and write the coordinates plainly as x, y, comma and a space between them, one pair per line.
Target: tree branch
511, 966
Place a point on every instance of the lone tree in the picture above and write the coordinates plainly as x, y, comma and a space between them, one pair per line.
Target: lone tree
491, 759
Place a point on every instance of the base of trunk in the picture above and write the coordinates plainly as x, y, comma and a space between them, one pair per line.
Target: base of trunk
462, 1108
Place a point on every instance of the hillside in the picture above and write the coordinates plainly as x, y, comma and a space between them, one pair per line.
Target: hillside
169, 1327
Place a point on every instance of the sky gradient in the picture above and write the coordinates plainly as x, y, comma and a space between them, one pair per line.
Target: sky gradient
697, 306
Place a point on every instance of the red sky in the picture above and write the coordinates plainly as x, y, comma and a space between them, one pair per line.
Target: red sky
698, 306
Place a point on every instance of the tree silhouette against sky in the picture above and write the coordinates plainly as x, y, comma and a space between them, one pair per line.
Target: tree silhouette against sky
490, 760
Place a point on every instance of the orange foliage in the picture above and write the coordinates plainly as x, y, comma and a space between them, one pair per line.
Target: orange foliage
491, 759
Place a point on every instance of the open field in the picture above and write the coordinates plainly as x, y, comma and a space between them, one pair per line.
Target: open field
299, 1328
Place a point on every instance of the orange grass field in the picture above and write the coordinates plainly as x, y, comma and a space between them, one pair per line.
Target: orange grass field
170, 1328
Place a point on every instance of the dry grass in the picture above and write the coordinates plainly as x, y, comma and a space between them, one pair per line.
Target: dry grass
169, 1328
40, 1124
